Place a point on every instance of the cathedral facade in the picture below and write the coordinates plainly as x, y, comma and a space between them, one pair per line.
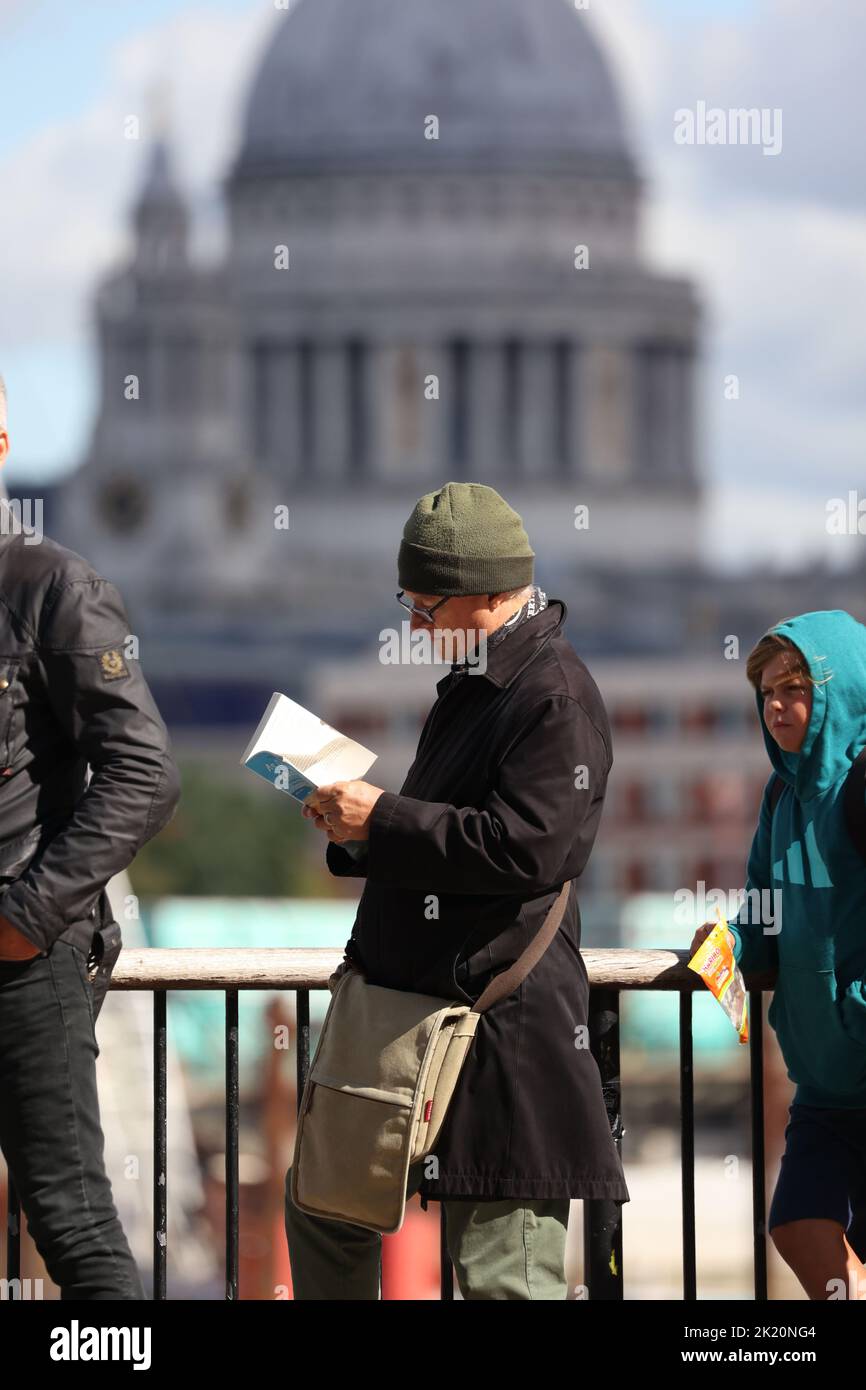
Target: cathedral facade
433, 272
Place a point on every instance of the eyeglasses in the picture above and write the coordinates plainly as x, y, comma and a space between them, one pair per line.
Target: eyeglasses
426, 613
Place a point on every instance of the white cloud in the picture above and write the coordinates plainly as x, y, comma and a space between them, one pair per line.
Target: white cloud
765, 527
68, 189
67, 193
775, 247
638, 52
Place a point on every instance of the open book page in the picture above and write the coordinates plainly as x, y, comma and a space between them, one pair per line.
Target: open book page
297, 752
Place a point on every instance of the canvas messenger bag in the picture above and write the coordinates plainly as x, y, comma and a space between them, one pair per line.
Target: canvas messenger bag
385, 1069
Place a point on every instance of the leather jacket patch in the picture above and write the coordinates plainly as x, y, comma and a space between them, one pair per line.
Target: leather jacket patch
112, 665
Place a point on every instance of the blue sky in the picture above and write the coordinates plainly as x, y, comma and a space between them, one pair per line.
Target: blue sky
64, 66
57, 55
775, 246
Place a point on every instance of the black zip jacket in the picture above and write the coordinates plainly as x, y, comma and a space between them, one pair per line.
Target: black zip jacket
71, 695
500, 806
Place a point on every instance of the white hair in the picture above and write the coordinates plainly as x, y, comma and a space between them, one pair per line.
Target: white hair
4, 405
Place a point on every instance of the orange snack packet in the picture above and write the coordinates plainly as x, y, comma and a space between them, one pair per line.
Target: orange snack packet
714, 962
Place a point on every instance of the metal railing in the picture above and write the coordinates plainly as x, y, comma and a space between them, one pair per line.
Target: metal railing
300, 970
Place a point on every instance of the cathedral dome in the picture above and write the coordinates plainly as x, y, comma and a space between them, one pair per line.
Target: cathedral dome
348, 84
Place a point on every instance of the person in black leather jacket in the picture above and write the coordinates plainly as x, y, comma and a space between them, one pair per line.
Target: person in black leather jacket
72, 696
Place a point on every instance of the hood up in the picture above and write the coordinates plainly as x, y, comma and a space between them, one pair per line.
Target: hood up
834, 645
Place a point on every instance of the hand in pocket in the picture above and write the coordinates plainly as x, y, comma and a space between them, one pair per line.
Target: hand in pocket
14, 945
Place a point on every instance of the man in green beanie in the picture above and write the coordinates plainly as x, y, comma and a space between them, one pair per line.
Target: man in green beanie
464, 540
499, 809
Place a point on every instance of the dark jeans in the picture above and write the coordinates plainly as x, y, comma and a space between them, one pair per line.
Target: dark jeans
50, 1131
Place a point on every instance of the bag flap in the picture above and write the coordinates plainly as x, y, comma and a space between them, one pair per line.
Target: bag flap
376, 1038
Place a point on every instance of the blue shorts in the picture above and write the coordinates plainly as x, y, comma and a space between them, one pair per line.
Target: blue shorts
824, 1171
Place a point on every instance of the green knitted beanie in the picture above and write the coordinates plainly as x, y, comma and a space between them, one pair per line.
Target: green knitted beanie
464, 539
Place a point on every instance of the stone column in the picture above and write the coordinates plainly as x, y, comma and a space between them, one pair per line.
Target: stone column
686, 442
663, 407
284, 424
360, 461
434, 360
671, 418
536, 404
381, 361
152, 376
330, 411
486, 411
575, 462
607, 388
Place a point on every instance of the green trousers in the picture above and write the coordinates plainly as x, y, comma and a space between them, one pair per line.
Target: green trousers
500, 1250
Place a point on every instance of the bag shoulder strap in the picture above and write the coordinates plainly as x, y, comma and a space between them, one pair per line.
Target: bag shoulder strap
855, 802
508, 980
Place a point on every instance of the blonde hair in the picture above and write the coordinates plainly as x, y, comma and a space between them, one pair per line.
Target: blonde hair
771, 645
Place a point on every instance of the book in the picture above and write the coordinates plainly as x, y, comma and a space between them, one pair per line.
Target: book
297, 752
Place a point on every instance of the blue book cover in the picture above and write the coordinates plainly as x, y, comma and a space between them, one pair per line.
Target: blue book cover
281, 775
297, 752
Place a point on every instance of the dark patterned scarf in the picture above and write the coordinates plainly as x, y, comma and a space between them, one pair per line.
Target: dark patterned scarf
536, 603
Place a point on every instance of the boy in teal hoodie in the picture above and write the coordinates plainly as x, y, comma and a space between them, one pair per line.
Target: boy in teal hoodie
809, 674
